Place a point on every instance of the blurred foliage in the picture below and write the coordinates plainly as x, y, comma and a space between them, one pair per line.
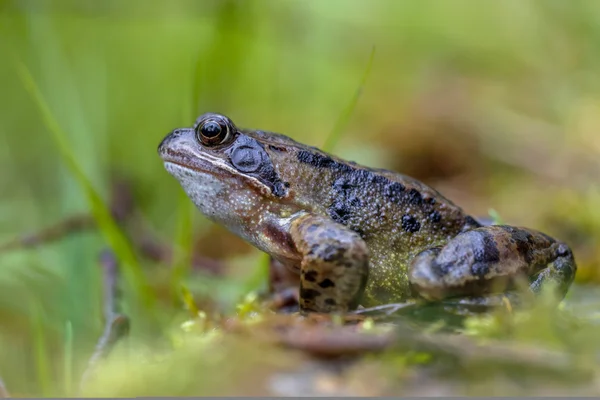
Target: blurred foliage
496, 104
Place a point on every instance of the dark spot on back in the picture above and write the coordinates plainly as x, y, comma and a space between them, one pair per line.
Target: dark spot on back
410, 224
325, 283
413, 196
315, 159
355, 202
340, 211
394, 191
330, 302
342, 184
380, 180
348, 189
309, 294
435, 217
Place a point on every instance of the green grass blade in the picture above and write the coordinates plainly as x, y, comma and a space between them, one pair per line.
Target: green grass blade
182, 255
259, 276
183, 246
336, 132
68, 359
496, 218
108, 227
42, 361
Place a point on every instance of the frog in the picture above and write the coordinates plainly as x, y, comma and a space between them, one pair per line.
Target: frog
344, 236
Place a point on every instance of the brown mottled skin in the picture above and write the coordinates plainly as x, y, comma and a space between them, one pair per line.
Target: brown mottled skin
355, 235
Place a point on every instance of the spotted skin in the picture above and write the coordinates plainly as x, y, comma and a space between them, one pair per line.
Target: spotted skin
352, 234
335, 264
492, 259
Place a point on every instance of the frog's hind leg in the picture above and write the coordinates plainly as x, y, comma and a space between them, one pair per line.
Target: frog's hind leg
490, 260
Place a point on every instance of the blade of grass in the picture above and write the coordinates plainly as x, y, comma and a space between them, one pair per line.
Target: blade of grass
42, 362
68, 359
230, 47
257, 279
497, 219
108, 227
336, 132
188, 300
182, 259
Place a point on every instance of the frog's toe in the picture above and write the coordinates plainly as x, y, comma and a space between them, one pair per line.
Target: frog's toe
560, 272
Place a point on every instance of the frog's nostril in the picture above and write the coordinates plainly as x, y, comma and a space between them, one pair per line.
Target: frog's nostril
171, 139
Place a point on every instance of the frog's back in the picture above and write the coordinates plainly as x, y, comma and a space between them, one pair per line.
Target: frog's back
373, 202
395, 209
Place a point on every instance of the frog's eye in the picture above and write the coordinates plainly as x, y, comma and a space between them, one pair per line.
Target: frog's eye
213, 131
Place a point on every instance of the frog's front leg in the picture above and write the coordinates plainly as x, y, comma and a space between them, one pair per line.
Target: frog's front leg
334, 266
492, 259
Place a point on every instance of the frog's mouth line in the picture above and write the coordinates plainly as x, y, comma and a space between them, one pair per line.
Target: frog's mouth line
173, 163
199, 163
177, 165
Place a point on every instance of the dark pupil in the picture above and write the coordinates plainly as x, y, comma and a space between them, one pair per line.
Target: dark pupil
211, 130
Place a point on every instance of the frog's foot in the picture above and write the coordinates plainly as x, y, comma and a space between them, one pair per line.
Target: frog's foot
560, 271
492, 259
334, 266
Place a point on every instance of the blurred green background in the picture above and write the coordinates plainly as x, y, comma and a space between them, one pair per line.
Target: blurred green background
496, 104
